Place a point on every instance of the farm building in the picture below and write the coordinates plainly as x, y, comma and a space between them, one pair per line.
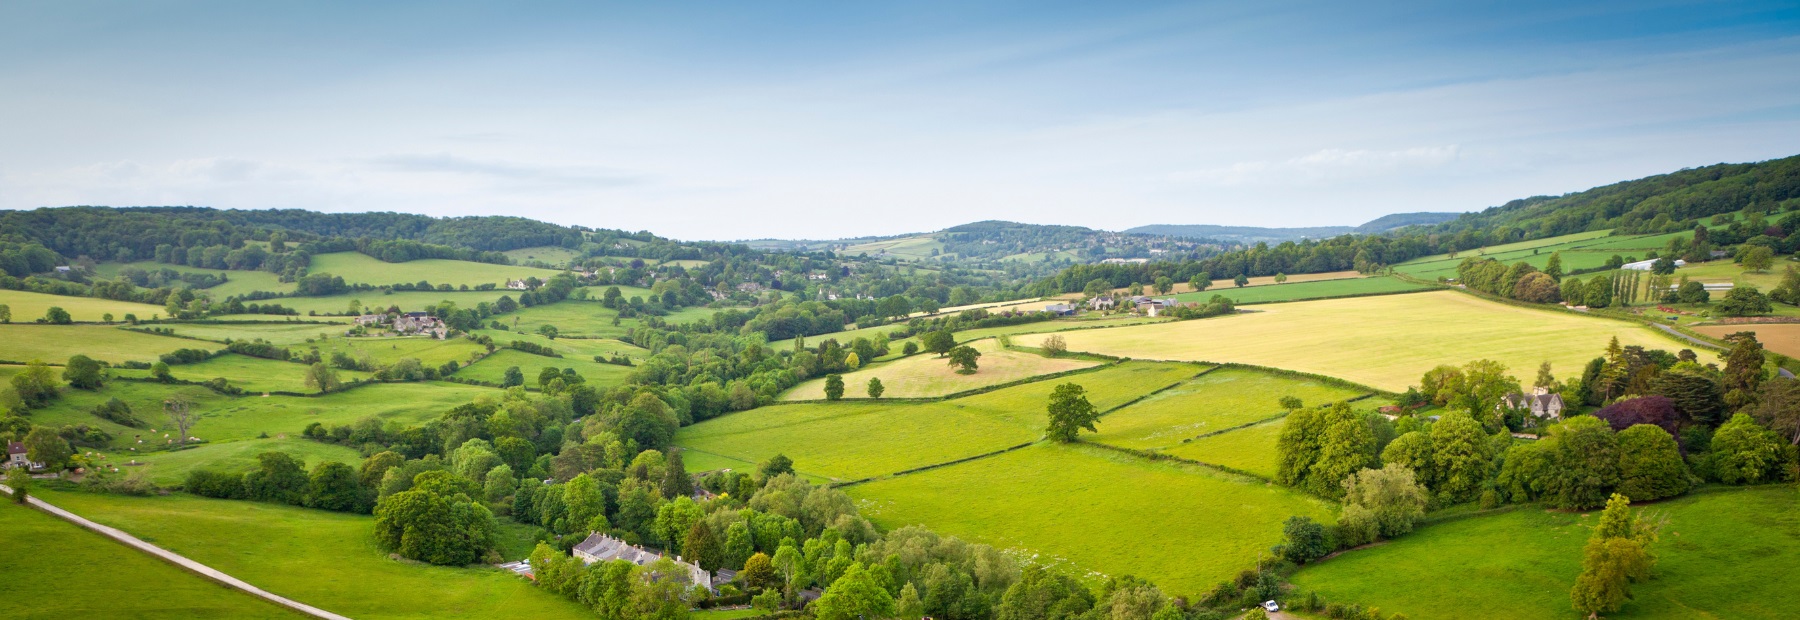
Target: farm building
1061, 309
1103, 303
1541, 403
1645, 265
517, 285
602, 548
16, 457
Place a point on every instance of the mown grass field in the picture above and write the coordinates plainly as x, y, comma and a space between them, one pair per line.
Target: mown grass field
389, 349
1295, 291
1183, 527
492, 368
327, 559
55, 343
914, 248
27, 306
171, 467
1385, 341
1728, 554
236, 282
56, 569
356, 267
574, 317
276, 332
927, 375
1214, 401
853, 440
250, 373
1246, 449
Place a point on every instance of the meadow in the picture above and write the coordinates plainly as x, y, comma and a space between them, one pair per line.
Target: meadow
385, 350
1250, 449
492, 368
1723, 554
1386, 341
56, 569
407, 301
571, 347
359, 268
237, 282
1217, 400
55, 343
27, 306
327, 559
250, 373
1183, 527
1296, 291
854, 440
170, 468
906, 248
573, 317
276, 332
927, 375
548, 254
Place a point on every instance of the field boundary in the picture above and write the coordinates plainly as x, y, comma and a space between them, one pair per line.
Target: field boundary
178, 560
751, 463
963, 394
838, 485
1151, 455
1425, 287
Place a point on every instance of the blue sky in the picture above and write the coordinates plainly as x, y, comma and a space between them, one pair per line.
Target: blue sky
736, 120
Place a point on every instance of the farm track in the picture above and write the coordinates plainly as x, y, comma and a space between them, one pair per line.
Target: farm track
178, 559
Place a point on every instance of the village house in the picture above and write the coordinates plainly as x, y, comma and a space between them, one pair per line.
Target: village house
421, 324
370, 320
1541, 402
15, 457
602, 548
1103, 302
517, 285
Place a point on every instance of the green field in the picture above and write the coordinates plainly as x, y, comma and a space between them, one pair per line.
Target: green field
570, 347
326, 559
56, 569
1214, 401
1728, 554
1183, 527
27, 306
1385, 341
1295, 291
276, 332
905, 248
55, 343
250, 373
408, 301
853, 440
550, 254
359, 268
492, 368
171, 467
389, 349
570, 316
236, 282
927, 375
1246, 449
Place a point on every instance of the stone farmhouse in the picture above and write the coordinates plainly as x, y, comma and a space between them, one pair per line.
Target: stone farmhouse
1540, 402
16, 457
602, 548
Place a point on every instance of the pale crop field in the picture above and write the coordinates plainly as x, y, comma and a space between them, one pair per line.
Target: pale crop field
356, 267
27, 307
55, 343
1182, 527
1385, 341
926, 374
1214, 401
1780, 338
853, 440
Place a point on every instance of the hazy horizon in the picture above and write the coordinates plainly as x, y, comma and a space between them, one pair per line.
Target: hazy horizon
823, 121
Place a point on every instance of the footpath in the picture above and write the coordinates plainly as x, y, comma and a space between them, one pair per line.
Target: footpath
178, 559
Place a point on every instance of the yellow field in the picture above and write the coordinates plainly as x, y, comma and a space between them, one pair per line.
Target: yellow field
55, 343
28, 306
356, 267
926, 375
1780, 338
1386, 341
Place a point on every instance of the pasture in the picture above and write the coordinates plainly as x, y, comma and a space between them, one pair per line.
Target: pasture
1249, 449
56, 569
548, 254
407, 301
327, 559
1385, 341
853, 440
571, 347
171, 467
1183, 527
1296, 291
1217, 400
927, 375
276, 332
27, 306
237, 282
359, 268
55, 343
905, 248
1521, 564
570, 316
385, 350
250, 373
492, 368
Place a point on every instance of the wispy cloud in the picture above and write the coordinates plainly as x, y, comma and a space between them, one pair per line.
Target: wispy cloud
548, 177
1326, 165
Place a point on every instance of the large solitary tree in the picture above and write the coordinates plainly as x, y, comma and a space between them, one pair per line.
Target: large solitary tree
1070, 412
963, 359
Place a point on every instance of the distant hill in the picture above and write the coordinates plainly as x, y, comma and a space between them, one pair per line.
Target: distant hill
1252, 234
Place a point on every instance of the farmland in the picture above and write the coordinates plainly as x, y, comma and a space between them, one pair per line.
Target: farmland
250, 373
492, 369
1297, 291
358, 268
327, 559
1385, 341
171, 467
389, 349
1783, 338
1065, 505
27, 306
1213, 401
548, 254
99, 578
279, 333
1250, 449
852, 440
52, 343
927, 375
237, 282
1521, 564
407, 301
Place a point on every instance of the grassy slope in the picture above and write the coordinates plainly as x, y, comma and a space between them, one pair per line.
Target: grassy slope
493, 368
1216, 400
852, 440
55, 343
408, 301
356, 267
389, 349
284, 334
170, 468
1728, 554
1386, 341
1294, 291
27, 306
251, 373
1183, 527
326, 559
1247, 449
927, 375
236, 282
56, 569
551, 254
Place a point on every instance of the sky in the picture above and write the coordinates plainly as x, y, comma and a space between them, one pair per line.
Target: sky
743, 120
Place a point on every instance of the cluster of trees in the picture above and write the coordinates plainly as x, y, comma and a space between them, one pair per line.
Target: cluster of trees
1364, 253
282, 478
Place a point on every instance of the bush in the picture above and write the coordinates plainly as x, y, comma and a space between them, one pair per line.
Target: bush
206, 483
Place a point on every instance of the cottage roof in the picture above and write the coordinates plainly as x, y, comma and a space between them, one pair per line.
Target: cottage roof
14, 447
607, 548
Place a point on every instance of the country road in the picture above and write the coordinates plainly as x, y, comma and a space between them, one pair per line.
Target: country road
177, 559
